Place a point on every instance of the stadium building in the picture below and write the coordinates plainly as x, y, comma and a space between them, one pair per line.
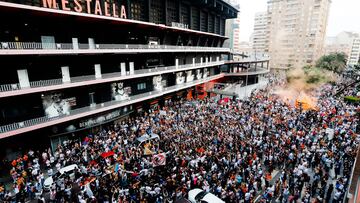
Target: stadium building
69, 66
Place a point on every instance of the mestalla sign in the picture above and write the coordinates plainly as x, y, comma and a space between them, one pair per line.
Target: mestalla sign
104, 8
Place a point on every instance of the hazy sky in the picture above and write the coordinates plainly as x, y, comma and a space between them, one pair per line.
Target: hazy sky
344, 16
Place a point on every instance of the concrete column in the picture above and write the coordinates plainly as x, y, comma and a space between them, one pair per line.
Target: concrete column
23, 78
206, 60
193, 61
131, 66
92, 99
65, 74
75, 43
177, 63
97, 71
91, 43
201, 61
210, 59
123, 69
217, 59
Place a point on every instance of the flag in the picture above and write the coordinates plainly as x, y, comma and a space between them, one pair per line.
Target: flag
107, 154
159, 159
147, 150
86, 141
117, 167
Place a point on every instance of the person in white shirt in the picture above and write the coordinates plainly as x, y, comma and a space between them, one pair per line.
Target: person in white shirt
44, 156
247, 196
58, 166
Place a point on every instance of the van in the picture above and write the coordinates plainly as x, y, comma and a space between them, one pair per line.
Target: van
61, 174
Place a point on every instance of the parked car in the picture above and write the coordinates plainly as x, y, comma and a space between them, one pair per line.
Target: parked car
200, 196
60, 175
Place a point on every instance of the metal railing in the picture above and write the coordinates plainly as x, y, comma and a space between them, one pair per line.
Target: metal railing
82, 46
43, 83
138, 73
250, 59
44, 119
9, 87
249, 71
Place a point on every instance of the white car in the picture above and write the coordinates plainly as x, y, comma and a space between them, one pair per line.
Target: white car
66, 171
200, 196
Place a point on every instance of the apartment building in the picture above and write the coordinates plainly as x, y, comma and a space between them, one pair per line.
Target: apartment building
354, 55
297, 31
260, 35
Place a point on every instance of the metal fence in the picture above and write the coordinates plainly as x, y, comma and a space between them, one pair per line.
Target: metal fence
43, 83
51, 82
9, 87
70, 46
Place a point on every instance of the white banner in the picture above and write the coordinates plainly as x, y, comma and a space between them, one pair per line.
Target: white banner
159, 159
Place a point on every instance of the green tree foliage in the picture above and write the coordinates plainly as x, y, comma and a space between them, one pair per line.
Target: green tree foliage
357, 67
335, 62
352, 99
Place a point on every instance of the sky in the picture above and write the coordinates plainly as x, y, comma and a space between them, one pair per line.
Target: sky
344, 16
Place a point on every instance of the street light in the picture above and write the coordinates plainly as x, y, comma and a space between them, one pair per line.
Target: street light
247, 73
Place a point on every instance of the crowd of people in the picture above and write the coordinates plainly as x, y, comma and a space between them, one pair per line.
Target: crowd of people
257, 148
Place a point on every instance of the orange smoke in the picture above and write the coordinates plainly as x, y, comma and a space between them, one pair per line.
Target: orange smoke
306, 102
297, 99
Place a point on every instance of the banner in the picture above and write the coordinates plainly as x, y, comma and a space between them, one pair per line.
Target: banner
55, 105
119, 92
157, 83
189, 76
147, 150
159, 159
198, 74
180, 78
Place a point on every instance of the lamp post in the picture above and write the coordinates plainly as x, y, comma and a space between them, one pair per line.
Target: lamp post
246, 79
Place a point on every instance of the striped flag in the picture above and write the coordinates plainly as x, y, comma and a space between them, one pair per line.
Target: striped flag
159, 159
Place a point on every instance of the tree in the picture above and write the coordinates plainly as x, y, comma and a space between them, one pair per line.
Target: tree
335, 62
357, 67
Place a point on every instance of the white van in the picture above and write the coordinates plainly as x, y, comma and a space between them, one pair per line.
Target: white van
145, 138
66, 171
200, 196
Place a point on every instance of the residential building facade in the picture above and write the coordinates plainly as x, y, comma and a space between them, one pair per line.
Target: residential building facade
260, 35
354, 56
297, 31
233, 31
341, 43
